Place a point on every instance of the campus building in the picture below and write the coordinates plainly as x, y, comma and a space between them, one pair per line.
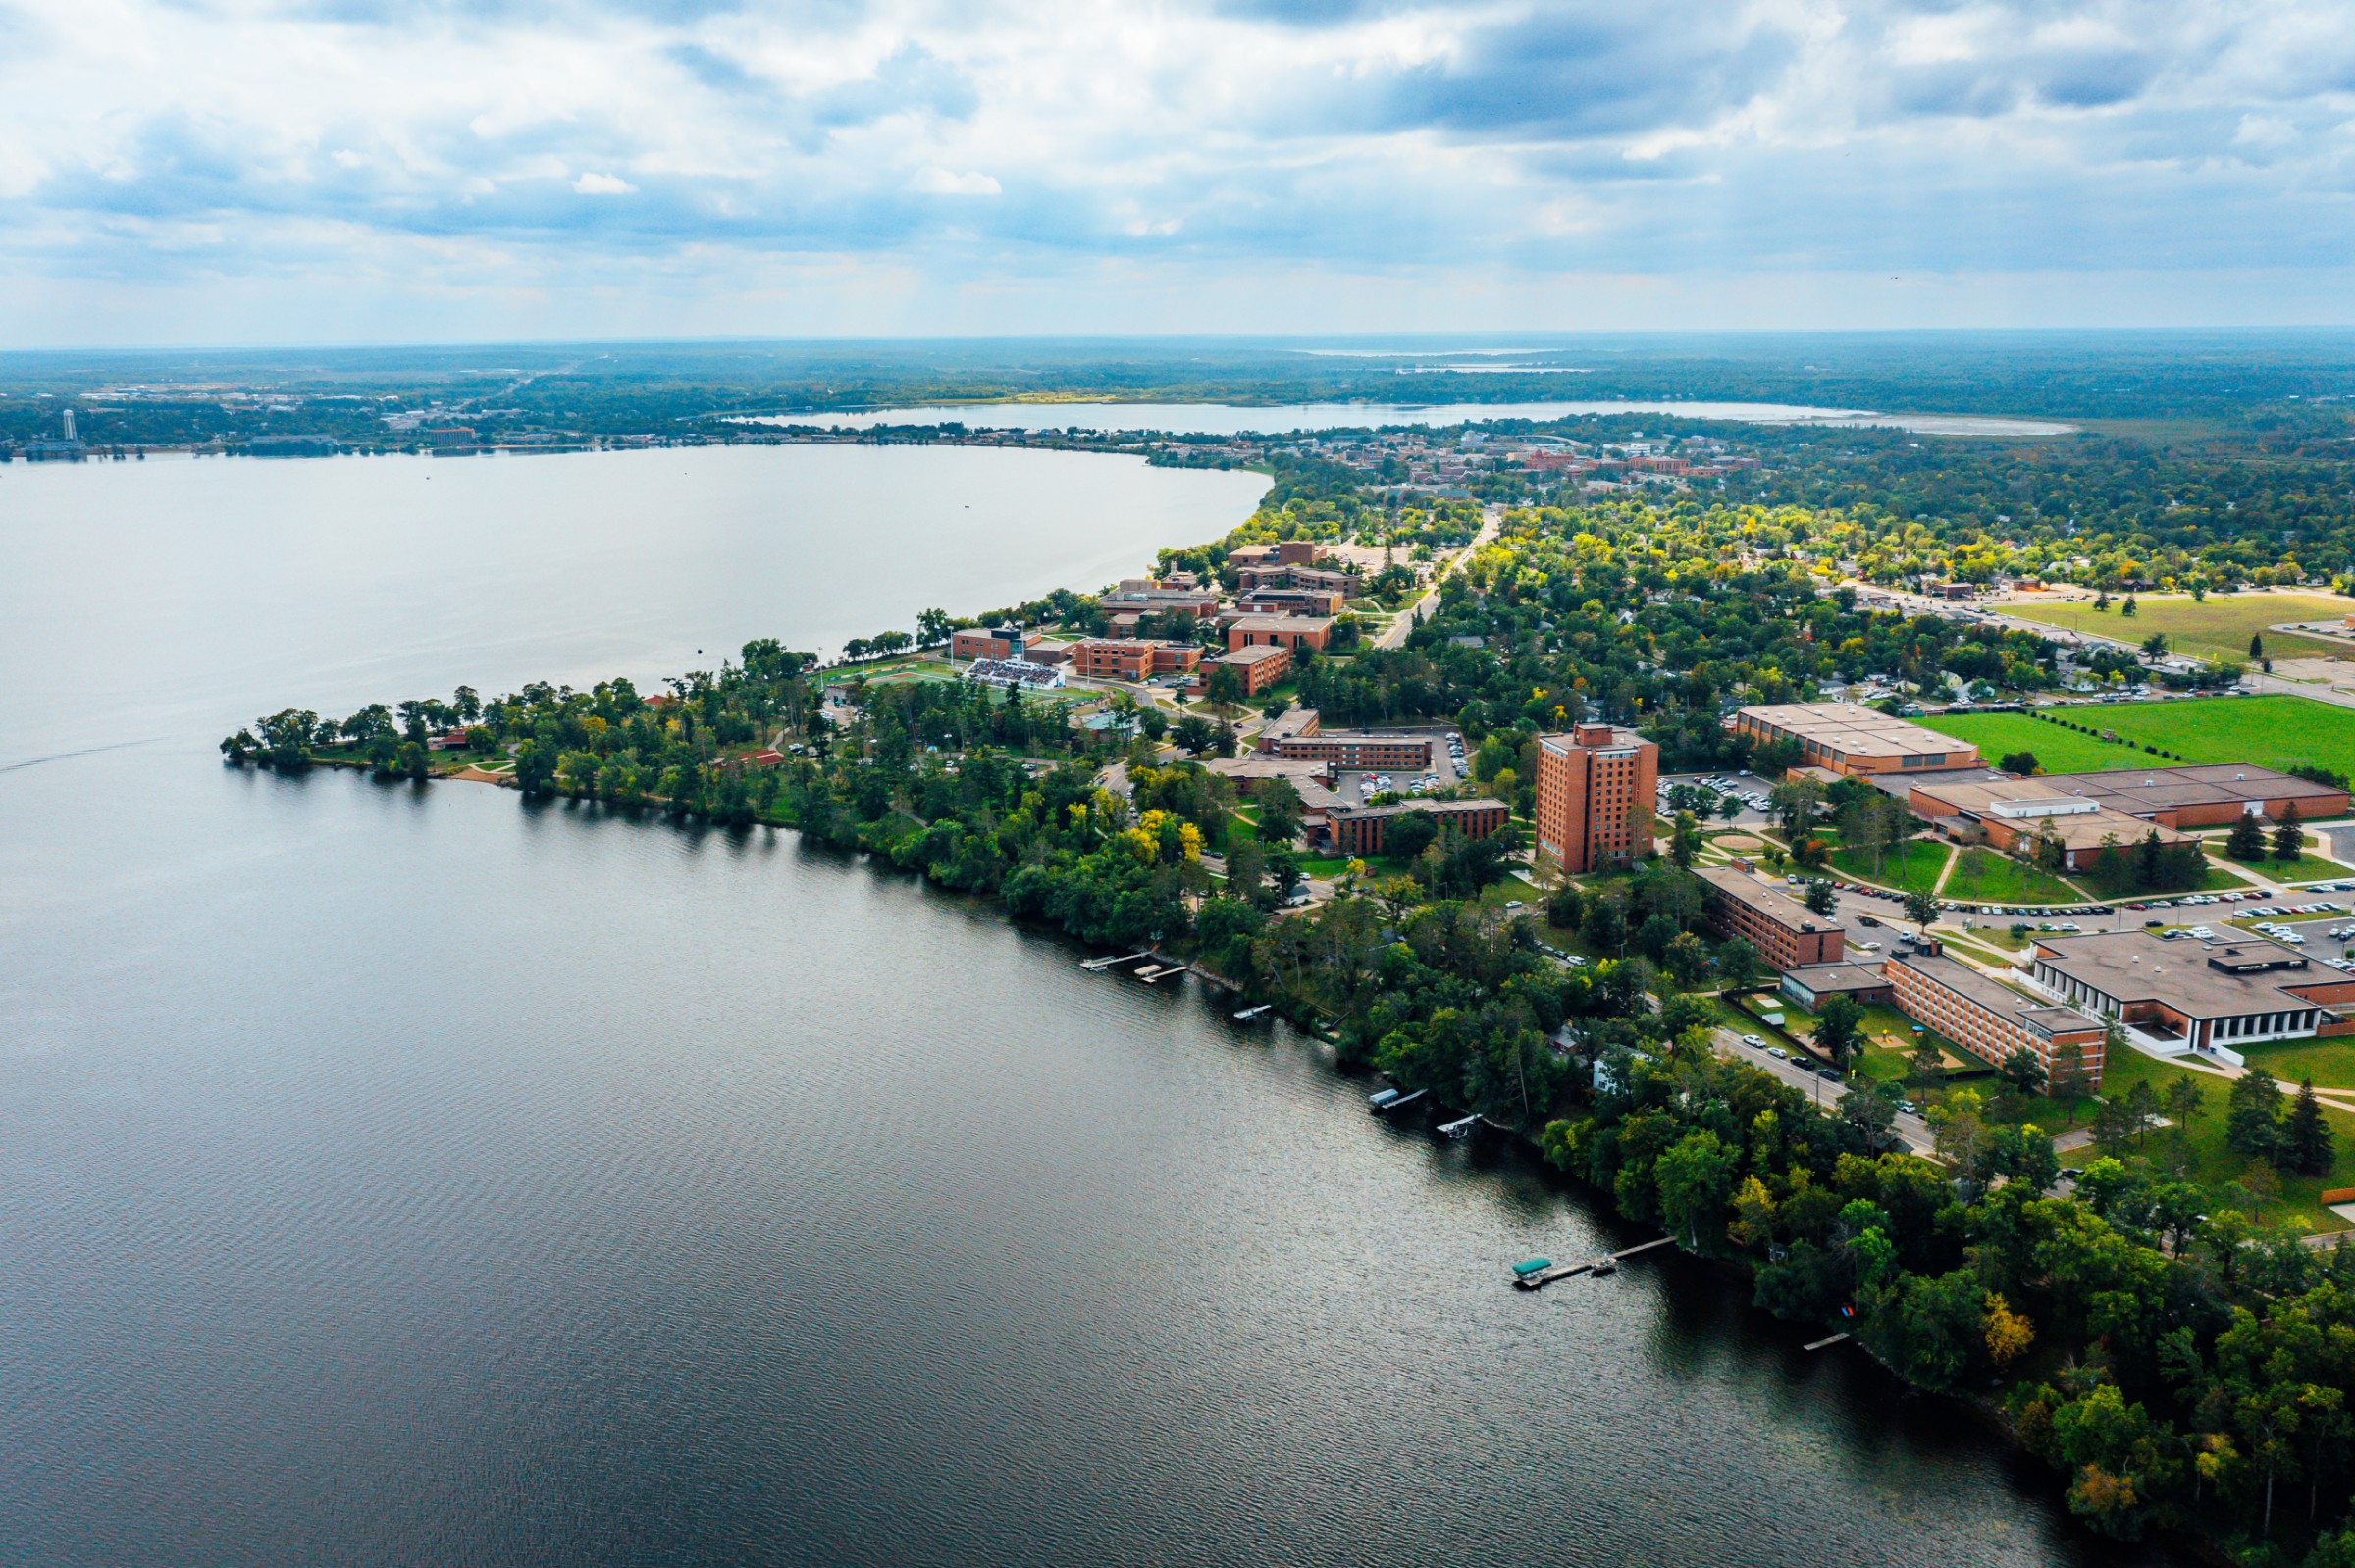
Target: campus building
1786, 933
1288, 601
2201, 996
1985, 1016
2205, 794
1295, 632
1260, 666
1359, 751
990, 642
1358, 829
1849, 739
1594, 794
2009, 814
1130, 658
1324, 580
1812, 985
1284, 552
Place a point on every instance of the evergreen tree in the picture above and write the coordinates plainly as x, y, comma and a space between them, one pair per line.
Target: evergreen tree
2252, 1115
2305, 1143
2289, 840
2247, 842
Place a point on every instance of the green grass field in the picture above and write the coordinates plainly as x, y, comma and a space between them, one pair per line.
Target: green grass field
2307, 867
2218, 628
1917, 867
1982, 876
2211, 1162
2270, 731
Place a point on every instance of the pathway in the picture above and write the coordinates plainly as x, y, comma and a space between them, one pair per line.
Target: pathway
1406, 620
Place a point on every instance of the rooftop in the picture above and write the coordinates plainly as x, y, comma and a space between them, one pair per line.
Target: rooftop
1822, 977
1282, 623
2201, 979
1256, 654
1443, 808
2139, 790
2033, 806
1853, 730
1771, 901
1995, 996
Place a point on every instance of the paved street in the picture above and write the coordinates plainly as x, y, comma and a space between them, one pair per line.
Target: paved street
1395, 634
1823, 1091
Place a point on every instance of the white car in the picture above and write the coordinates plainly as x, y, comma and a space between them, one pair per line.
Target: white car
1751, 1039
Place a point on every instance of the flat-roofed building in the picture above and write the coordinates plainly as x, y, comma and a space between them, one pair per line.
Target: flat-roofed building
1358, 829
1360, 751
1253, 772
1132, 658
1987, 1018
1144, 596
1288, 602
2215, 995
1853, 740
990, 642
1786, 933
2203, 795
2014, 813
1295, 632
1595, 789
1812, 985
1291, 723
1254, 579
1260, 666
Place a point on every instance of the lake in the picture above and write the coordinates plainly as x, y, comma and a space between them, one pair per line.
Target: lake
405, 1174
1220, 419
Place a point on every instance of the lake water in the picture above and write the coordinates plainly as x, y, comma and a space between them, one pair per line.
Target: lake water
407, 1176
1220, 419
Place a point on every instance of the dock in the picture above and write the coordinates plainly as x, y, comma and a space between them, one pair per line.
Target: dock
1099, 966
1822, 1344
1383, 1107
1460, 1127
1252, 1014
1540, 1279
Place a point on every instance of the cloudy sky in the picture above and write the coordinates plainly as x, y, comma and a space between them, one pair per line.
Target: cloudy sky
210, 170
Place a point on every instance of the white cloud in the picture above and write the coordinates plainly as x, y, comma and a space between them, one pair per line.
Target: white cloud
941, 182
154, 147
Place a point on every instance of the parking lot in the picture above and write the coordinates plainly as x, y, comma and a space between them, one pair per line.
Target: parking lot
1450, 764
1706, 791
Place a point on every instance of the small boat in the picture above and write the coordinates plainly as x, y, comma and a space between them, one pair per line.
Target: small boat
1607, 1264
1522, 1271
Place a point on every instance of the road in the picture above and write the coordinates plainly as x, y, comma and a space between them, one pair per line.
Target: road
1823, 1091
1405, 621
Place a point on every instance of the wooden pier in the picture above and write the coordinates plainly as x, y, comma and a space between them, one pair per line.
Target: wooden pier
1540, 1279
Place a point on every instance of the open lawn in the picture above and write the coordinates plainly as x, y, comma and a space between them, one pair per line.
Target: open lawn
2306, 868
2220, 628
2209, 1163
2280, 732
1982, 876
1917, 867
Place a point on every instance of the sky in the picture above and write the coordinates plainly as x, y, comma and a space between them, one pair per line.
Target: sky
326, 171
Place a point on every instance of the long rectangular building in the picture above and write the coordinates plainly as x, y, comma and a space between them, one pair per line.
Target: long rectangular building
1359, 751
1786, 933
2204, 795
2009, 811
1849, 739
2206, 995
1358, 830
1987, 1018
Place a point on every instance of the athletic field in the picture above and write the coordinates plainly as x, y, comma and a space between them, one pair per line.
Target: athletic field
2270, 731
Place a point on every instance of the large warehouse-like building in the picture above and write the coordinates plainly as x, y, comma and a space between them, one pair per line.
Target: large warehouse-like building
2204, 995
2206, 795
1849, 739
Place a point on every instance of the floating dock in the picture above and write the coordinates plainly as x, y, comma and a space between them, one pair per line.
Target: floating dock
1538, 1278
1460, 1127
1396, 1101
1252, 1014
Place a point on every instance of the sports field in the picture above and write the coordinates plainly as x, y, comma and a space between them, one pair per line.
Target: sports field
2218, 627
2270, 731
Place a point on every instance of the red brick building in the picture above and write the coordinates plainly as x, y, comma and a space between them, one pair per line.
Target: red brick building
1358, 830
1359, 752
1130, 658
1786, 933
1595, 788
1295, 632
1260, 666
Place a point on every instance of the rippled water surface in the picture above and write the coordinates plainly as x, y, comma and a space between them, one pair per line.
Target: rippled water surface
408, 1175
